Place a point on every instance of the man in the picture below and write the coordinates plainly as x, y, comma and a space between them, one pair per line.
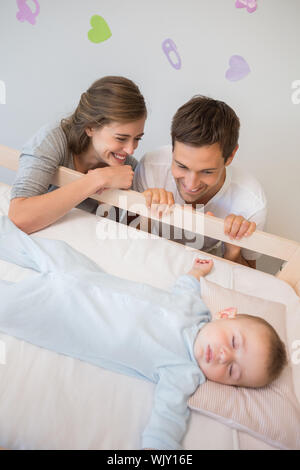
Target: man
195, 170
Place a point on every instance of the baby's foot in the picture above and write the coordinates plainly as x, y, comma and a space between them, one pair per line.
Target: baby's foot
201, 267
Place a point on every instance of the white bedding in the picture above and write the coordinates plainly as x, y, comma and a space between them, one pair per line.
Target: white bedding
49, 401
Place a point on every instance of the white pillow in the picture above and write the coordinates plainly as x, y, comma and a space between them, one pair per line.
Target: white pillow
271, 413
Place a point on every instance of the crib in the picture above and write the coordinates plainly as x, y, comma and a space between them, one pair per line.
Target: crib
50, 401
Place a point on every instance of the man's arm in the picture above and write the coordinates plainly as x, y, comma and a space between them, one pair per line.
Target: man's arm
237, 227
233, 253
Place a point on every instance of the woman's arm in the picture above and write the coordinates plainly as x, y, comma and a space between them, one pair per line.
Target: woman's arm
37, 212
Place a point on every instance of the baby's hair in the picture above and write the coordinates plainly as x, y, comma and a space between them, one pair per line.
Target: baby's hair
277, 358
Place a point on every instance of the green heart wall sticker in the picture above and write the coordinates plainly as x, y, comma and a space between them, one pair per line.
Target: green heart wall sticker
100, 30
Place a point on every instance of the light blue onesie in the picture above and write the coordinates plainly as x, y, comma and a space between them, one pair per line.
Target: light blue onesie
73, 307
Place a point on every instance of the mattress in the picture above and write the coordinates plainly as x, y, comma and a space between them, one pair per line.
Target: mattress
50, 401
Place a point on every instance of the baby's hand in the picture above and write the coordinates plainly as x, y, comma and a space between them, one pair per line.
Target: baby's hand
201, 267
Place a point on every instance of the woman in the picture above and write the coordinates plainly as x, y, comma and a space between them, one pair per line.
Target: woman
97, 140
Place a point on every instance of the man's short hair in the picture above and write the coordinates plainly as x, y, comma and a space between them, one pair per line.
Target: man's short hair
205, 121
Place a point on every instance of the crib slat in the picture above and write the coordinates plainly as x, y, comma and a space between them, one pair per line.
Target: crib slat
182, 218
290, 272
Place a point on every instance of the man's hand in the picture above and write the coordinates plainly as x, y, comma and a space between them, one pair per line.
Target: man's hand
159, 200
236, 227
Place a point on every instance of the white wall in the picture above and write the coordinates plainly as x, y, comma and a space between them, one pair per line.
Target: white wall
46, 66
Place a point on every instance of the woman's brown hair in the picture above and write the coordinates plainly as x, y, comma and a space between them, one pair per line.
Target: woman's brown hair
109, 99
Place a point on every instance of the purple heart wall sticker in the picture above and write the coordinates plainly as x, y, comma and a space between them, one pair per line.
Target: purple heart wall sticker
250, 5
25, 13
238, 68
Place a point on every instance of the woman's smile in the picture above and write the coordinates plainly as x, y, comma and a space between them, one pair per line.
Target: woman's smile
120, 157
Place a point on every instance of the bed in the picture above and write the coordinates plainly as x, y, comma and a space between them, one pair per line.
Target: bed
50, 401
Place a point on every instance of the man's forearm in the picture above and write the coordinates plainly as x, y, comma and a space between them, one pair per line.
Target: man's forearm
240, 260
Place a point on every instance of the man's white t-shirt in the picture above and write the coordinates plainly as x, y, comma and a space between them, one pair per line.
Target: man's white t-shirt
241, 194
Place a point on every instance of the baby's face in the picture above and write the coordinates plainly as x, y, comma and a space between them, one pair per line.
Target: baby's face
233, 352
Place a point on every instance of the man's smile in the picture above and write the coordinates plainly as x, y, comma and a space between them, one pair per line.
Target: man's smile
192, 191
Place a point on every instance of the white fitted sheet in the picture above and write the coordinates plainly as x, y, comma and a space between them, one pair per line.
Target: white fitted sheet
50, 401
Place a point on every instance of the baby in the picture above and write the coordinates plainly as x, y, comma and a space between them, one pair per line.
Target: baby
245, 351
71, 306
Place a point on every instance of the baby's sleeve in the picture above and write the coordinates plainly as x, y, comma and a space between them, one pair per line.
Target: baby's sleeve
188, 290
168, 420
186, 284
40, 254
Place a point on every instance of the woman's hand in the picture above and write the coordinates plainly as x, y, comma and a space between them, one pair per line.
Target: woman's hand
118, 177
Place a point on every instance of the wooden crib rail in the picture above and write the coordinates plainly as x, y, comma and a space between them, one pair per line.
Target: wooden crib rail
184, 218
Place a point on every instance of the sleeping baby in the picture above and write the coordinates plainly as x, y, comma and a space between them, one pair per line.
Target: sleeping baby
71, 306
